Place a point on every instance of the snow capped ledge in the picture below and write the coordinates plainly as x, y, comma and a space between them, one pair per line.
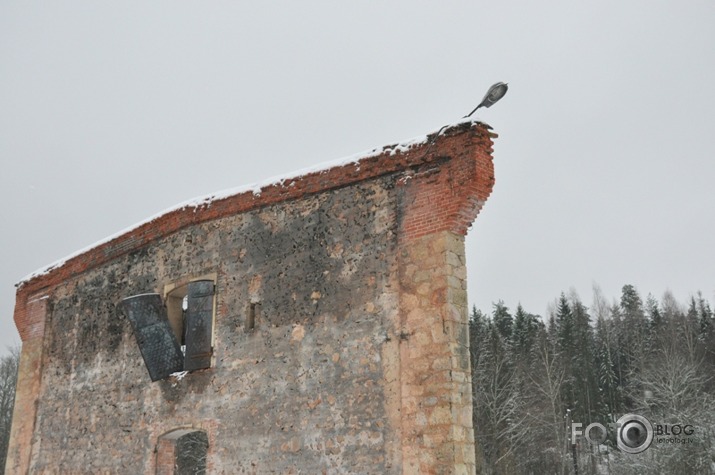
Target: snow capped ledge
329, 175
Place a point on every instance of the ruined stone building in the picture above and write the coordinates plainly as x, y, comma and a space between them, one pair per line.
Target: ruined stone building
316, 324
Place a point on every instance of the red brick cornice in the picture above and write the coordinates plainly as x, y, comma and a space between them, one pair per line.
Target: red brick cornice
447, 193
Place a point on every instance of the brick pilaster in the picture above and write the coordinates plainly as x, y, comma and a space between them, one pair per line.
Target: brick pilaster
33, 312
440, 200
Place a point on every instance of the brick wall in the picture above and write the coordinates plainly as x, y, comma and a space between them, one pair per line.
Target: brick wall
359, 359
165, 457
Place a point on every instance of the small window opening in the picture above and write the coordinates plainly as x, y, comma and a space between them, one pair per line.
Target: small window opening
254, 311
184, 308
177, 303
190, 313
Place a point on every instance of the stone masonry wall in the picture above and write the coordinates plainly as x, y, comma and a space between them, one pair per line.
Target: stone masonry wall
358, 362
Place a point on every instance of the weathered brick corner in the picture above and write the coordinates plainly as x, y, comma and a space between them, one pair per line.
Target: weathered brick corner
340, 338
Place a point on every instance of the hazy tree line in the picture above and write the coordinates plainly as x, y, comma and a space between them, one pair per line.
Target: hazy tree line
8, 376
533, 376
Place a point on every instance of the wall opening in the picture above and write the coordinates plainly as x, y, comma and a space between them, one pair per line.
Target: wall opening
176, 304
182, 452
176, 333
254, 310
190, 453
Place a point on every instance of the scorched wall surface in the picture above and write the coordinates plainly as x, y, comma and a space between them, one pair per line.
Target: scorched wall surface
305, 388
358, 358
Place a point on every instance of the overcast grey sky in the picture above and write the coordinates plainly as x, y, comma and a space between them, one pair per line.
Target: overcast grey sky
113, 111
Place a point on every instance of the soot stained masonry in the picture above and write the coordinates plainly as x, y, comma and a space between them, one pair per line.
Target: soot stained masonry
296, 300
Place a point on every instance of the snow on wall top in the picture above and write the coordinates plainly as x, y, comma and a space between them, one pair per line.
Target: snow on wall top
255, 188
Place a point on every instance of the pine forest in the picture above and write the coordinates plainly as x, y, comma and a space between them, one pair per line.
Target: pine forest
534, 377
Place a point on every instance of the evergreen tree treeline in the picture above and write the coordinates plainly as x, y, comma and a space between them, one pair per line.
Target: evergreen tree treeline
531, 377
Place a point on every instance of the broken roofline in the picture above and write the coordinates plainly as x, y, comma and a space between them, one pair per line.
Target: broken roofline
323, 177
